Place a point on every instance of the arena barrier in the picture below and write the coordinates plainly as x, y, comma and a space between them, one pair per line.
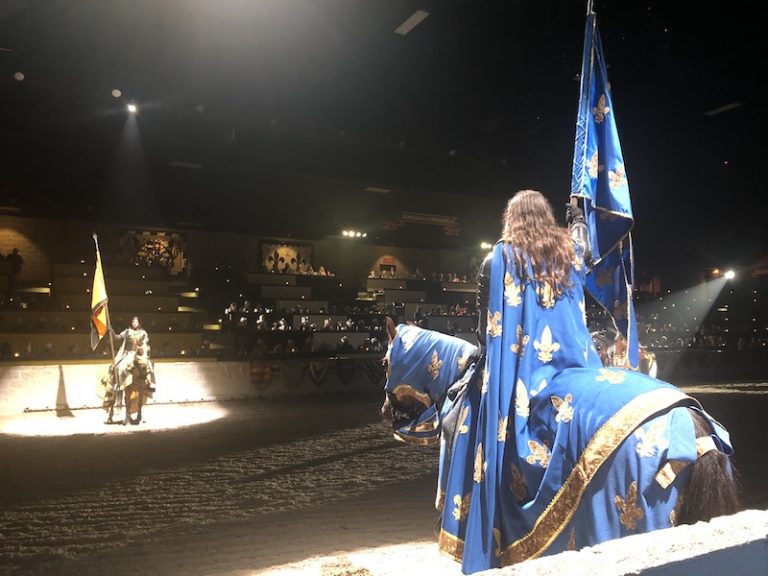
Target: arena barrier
712, 365
71, 386
735, 544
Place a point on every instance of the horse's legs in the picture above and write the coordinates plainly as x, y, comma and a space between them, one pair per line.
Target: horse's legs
126, 405
137, 420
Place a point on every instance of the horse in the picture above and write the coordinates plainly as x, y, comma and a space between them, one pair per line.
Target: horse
132, 392
431, 379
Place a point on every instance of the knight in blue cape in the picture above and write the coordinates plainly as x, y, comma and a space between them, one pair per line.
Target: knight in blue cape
543, 449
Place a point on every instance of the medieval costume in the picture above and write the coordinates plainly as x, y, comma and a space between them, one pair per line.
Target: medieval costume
133, 356
543, 449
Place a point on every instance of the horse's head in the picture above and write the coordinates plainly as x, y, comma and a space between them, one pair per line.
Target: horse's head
421, 366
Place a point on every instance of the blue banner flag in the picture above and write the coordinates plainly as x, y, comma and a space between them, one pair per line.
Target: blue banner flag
600, 179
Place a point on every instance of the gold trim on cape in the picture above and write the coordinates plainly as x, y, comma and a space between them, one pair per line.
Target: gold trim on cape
451, 545
431, 441
558, 513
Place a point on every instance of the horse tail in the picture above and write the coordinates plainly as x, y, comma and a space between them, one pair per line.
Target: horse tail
713, 489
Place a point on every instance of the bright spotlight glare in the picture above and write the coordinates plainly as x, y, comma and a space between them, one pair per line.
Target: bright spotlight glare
358, 234
344, 233
132, 108
730, 275
485, 245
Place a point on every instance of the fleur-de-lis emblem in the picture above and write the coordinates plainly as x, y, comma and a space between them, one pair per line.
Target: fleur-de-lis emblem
617, 178
522, 341
594, 167
463, 428
571, 540
546, 347
630, 511
518, 486
462, 360
461, 509
578, 263
497, 539
651, 439
501, 435
479, 472
563, 407
408, 339
601, 110
604, 277
539, 453
512, 291
434, 366
494, 326
522, 403
547, 295
610, 376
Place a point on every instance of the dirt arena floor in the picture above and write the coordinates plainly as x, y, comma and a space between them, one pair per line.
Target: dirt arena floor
312, 486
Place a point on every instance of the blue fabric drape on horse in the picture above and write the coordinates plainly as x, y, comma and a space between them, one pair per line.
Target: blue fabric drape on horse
434, 363
544, 449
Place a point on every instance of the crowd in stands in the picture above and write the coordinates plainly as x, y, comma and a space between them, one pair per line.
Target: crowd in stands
418, 275
259, 330
263, 330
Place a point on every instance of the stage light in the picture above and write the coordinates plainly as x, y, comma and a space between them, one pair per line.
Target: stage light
116, 93
486, 245
730, 275
358, 234
18, 76
132, 108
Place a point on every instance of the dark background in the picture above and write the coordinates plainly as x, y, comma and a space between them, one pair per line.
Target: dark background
273, 116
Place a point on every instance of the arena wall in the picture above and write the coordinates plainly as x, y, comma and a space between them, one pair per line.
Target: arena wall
43, 242
735, 544
71, 386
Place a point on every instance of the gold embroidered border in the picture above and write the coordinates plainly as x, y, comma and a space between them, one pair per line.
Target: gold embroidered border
451, 545
703, 445
427, 425
421, 441
559, 512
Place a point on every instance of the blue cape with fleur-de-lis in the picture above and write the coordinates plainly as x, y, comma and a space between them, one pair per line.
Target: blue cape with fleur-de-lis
548, 450
422, 366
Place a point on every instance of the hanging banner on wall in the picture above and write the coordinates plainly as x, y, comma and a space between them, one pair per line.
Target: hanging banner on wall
286, 258
318, 371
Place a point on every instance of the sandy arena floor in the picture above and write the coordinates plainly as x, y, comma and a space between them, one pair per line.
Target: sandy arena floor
310, 486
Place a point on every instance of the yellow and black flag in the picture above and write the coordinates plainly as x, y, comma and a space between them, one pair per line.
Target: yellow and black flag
99, 311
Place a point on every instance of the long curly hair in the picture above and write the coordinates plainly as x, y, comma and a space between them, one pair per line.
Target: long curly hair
529, 228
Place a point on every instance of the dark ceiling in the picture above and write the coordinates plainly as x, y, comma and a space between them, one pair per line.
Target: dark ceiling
273, 116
